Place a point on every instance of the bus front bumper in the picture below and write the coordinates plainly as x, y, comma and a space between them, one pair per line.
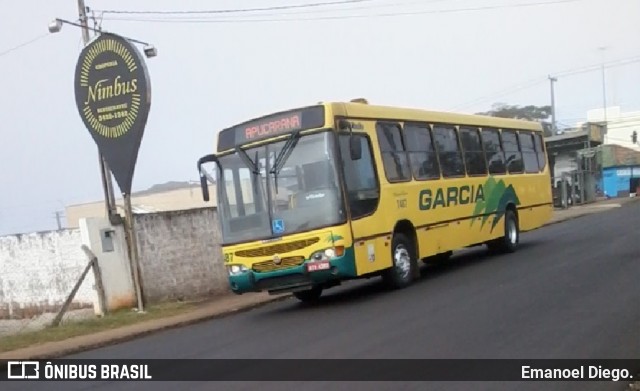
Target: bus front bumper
295, 278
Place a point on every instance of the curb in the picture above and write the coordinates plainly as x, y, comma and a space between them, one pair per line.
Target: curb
587, 213
137, 334
569, 218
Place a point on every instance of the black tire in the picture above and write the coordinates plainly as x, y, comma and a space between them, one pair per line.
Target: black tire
508, 243
403, 257
310, 295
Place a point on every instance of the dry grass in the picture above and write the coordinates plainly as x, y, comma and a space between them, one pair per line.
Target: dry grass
71, 329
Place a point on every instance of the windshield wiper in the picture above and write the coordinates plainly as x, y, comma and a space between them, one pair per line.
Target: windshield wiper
282, 157
247, 160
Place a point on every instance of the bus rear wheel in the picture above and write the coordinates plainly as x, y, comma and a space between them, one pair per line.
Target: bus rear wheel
310, 295
403, 257
508, 243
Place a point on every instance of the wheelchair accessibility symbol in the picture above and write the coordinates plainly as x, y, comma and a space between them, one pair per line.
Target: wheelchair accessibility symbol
278, 226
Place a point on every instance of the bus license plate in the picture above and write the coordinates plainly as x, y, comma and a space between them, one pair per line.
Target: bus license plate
316, 266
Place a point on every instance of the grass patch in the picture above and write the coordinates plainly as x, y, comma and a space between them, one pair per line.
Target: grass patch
71, 329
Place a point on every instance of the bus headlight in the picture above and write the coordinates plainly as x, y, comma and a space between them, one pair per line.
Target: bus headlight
234, 270
327, 253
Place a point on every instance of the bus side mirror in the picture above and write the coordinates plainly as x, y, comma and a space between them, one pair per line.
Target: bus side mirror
205, 187
355, 147
203, 176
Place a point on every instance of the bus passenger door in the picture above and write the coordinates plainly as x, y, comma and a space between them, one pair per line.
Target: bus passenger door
363, 197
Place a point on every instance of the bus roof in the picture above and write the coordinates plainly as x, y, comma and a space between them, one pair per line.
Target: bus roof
365, 110
360, 109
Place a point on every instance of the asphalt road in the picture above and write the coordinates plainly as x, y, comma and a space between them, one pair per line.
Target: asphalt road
571, 291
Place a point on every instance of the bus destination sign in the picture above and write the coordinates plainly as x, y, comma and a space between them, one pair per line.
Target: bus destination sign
270, 126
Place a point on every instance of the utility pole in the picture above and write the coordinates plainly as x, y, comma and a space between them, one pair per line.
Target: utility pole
604, 93
553, 105
58, 220
107, 184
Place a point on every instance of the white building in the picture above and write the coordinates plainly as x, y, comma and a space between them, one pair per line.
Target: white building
620, 125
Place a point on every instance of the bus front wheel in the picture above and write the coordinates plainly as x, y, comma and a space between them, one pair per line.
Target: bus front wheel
403, 258
310, 295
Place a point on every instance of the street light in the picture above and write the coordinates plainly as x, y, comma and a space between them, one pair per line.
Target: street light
56, 25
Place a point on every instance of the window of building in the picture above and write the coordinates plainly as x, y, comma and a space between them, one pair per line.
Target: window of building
394, 157
494, 154
473, 153
422, 154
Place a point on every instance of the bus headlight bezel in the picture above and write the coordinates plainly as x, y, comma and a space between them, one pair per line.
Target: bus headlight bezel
326, 254
236, 269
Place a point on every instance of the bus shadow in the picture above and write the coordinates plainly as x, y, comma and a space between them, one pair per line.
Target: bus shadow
467, 258
353, 292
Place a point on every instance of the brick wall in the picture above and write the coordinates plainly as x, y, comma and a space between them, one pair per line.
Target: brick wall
180, 256
39, 270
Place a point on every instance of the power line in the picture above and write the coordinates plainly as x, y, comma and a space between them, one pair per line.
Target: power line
508, 91
292, 12
29, 42
615, 124
339, 17
619, 139
540, 80
594, 67
228, 11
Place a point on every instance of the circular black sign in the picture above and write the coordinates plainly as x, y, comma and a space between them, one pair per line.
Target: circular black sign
111, 87
113, 96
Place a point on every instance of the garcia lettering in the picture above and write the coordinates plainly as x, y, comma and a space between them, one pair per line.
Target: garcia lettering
450, 196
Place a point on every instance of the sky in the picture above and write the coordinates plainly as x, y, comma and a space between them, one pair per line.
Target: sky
215, 70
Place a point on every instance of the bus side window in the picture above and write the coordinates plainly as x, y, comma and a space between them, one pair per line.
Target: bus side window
528, 152
451, 162
512, 151
360, 178
473, 153
422, 154
394, 157
542, 159
493, 151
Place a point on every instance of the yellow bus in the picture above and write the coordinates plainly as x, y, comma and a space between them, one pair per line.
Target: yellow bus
310, 197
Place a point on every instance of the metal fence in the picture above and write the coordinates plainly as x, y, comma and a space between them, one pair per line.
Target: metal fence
576, 187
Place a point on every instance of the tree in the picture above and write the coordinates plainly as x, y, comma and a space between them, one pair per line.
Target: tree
530, 112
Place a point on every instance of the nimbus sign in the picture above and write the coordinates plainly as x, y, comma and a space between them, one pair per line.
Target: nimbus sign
113, 96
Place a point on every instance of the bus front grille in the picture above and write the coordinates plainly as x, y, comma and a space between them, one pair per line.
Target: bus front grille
269, 266
279, 248
282, 282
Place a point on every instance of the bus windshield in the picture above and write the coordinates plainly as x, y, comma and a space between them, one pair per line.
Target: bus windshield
279, 188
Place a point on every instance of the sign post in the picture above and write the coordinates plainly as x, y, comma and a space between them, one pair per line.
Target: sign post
113, 97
